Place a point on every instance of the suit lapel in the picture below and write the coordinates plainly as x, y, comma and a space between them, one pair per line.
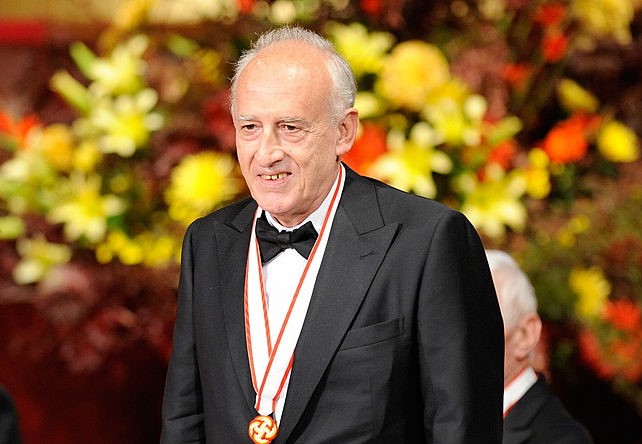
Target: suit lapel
233, 241
358, 243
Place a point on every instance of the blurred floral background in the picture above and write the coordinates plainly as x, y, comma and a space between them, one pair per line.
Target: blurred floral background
115, 135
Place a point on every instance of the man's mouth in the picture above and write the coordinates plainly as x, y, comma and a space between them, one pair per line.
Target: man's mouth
274, 176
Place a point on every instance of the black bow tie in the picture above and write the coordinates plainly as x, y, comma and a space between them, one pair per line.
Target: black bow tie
273, 241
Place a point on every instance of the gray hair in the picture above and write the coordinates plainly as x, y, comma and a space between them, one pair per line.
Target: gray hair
514, 289
344, 87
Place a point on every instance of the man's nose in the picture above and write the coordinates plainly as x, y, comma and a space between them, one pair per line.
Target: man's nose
270, 148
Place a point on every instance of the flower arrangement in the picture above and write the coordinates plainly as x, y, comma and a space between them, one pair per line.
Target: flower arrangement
490, 107
592, 280
100, 194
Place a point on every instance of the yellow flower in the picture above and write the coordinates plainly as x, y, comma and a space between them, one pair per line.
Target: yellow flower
409, 163
114, 242
567, 235
574, 98
72, 91
131, 253
126, 122
85, 212
56, 142
363, 50
151, 249
495, 203
27, 181
412, 71
456, 90
538, 177
457, 121
11, 227
200, 183
604, 18
159, 249
38, 257
86, 156
592, 290
368, 104
119, 73
618, 143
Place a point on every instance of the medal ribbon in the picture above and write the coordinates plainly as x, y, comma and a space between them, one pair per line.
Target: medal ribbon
277, 358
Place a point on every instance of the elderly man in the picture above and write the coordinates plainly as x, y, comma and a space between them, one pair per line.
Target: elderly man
328, 307
532, 413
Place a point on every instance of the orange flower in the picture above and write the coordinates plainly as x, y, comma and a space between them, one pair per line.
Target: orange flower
567, 141
626, 354
591, 351
370, 145
554, 46
17, 130
550, 15
613, 347
246, 6
516, 74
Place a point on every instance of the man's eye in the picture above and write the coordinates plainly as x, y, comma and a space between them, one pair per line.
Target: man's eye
289, 128
248, 127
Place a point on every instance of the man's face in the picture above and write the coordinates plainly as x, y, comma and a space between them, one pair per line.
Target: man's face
287, 143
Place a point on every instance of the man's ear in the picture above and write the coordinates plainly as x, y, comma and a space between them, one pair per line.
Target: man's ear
348, 127
526, 335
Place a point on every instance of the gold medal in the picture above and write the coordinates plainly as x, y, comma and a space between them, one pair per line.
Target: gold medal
262, 429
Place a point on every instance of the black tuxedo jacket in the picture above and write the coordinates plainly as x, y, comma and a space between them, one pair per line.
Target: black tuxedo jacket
9, 430
540, 418
402, 341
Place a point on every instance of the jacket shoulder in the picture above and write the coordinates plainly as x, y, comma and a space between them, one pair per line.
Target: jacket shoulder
225, 215
552, 422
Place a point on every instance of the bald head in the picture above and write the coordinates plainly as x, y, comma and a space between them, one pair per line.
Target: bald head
522, 324
514, 291
286, 41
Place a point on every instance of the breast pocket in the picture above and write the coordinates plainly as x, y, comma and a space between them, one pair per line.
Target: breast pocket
373, 334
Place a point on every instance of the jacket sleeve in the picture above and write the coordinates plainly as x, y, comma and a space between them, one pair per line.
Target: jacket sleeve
182, 411
460, 339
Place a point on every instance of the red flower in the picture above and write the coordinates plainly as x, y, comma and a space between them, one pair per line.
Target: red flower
503, 154
373, 8
370, 145
554, 46
567, 142
550, 15
624, 315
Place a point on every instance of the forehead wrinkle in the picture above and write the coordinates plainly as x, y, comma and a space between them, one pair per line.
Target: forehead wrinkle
287, 119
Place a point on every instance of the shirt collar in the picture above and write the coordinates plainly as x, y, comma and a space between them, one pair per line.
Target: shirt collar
515, 389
